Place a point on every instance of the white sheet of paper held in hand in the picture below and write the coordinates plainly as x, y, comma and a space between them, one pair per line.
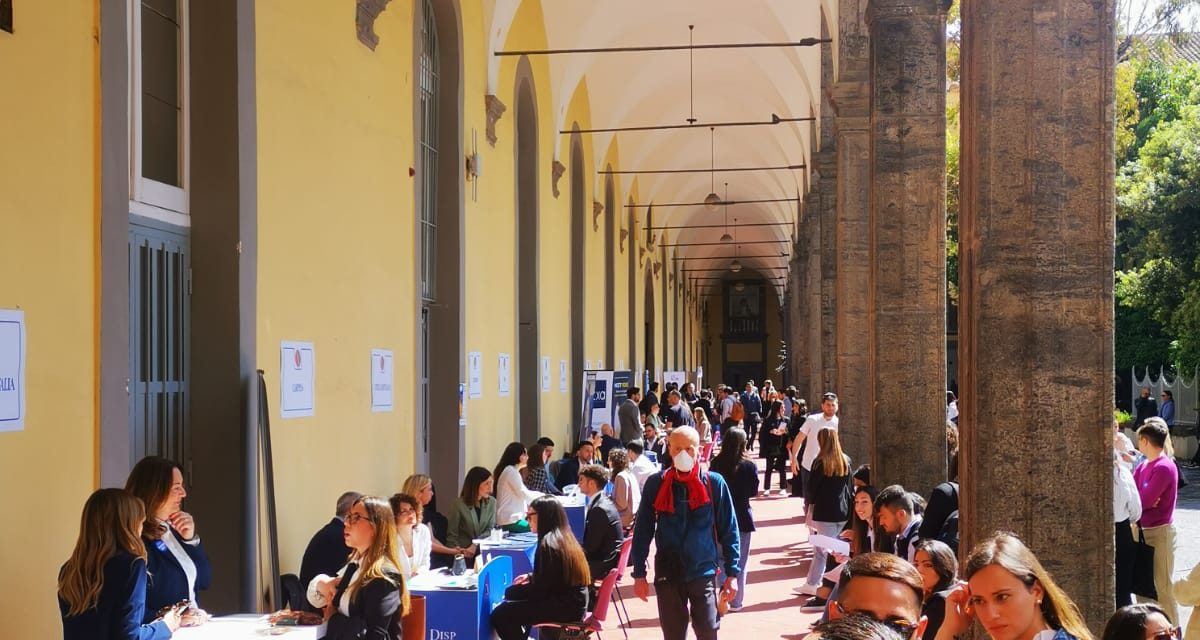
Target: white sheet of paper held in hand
835, 545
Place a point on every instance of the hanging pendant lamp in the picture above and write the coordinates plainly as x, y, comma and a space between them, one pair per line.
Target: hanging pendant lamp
712, 200
736, 265
726, 237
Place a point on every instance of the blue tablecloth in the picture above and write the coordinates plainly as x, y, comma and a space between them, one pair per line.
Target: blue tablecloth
519, 548
463, 614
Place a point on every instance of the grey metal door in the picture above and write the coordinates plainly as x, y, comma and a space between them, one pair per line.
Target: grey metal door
159, 318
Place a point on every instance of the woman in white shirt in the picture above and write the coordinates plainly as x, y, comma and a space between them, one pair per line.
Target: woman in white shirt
512, 496
414, 540
627, 493
1127, 509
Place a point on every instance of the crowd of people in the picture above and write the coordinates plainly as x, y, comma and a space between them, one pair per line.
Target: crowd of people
884, 563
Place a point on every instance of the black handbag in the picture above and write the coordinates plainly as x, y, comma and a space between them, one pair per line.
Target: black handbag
1143, 568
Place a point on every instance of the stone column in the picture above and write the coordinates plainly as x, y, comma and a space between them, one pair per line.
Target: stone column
1036, 285
827, 188
852, 253
799, 349
813, 303
908, 241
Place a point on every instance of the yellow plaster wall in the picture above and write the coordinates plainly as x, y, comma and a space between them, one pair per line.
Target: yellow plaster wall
49, 208
336, 260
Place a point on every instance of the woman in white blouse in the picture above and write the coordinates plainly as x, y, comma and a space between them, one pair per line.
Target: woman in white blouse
512, 496
627, 493
1127, 509
414, 540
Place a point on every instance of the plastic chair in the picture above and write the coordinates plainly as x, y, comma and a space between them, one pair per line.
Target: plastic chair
622, 564
594, 623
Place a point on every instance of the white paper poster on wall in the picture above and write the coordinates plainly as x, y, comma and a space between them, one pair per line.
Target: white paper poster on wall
297, 379
382, 380
678, 377
599, 364
587, 365
563, 384
12, 370
475, 374
545, 373
699, 375
620, 365
504, 370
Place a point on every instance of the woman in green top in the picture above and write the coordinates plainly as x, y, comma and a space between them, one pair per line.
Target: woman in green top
473, 514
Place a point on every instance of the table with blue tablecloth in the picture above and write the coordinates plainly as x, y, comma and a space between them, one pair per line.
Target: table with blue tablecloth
519, 547
460, 607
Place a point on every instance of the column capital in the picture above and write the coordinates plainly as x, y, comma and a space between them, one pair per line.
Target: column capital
905, 8
850, 99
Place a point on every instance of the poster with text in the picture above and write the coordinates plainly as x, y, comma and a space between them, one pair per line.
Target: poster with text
678, 377
503, 374
564, 384
297, 379
545, 373
475, 374
382, 378
602, 400
12, 370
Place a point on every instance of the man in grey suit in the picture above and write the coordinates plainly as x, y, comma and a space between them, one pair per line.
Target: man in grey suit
630, 416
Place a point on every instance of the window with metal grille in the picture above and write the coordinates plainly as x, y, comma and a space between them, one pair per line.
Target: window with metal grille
159, 305
427, 107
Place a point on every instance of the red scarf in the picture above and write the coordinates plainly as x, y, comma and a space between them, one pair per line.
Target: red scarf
697, 493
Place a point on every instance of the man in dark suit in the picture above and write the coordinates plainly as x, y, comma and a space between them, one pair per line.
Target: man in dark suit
568, 470
602, 532
327, 551
650, 398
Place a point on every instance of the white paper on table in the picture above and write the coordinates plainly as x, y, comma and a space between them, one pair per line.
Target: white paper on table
834, 545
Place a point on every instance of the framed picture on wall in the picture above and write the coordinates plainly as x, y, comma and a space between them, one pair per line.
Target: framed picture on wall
745, 304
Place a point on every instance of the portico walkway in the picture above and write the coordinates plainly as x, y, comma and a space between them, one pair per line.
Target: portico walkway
778, 562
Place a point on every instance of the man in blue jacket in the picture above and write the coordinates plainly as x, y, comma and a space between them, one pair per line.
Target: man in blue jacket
687, 513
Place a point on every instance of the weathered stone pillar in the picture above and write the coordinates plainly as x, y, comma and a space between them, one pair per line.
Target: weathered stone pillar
852, 236
827, 188
1036, 285
908, 241
813, 303
799, 350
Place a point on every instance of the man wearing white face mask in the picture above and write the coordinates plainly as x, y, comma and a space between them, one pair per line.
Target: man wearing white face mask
687, 513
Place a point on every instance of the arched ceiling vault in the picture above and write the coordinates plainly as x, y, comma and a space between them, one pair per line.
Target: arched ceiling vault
649, 88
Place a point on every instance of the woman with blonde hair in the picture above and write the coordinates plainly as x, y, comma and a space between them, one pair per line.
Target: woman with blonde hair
102, 587
420, 486
367, 598
829, 492
1011, 595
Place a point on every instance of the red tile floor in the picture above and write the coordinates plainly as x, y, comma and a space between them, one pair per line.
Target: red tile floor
778, 562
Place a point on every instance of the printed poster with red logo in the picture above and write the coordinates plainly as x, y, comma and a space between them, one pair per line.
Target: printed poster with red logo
382, 376
297, 379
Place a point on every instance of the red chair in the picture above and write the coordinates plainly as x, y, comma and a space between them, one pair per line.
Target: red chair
622, 564
594, 623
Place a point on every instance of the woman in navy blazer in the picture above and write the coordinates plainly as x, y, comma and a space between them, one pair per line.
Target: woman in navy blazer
102, 587
178, 566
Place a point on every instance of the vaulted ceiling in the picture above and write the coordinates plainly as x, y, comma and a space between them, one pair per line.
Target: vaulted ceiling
730, 85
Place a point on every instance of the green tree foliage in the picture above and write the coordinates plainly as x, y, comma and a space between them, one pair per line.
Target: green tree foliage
953, 72
1158, 214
